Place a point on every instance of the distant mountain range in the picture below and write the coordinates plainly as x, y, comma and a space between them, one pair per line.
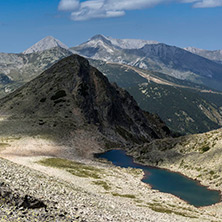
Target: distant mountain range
17, 69
160, 57
185, 107
123, 43
176, 95
214, 55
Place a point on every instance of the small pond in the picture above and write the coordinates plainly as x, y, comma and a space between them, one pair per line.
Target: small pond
166, 181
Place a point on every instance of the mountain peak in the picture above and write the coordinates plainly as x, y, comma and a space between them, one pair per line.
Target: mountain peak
123, 43
98, 36
44, 44
75, 93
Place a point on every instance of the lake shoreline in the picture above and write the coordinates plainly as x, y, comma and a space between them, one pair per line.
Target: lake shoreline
96, 155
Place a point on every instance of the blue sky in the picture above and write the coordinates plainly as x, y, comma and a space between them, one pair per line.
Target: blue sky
197, 23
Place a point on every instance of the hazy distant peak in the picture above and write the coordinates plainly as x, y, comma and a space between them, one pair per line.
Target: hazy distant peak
194, 50
131, 43
123, 43
44, 44
98, 36
214, 55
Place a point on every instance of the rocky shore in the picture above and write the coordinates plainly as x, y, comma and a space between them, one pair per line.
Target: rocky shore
196, 156
44, 193
26, 197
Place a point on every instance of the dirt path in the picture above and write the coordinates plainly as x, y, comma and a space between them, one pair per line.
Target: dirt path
161, 81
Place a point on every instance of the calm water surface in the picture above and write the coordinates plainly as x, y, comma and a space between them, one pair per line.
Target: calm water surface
166, 181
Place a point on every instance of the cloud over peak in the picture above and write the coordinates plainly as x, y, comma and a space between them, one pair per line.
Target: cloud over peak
91, 9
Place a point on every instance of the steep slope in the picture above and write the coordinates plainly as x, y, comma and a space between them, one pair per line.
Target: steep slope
214, 55
176, 58
21, 68
183, 106
72, 94
163, 58
48, 42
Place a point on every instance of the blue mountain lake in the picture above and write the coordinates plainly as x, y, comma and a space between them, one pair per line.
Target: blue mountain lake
166, 181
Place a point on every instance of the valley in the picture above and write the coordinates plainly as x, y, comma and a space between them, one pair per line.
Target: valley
146, 86
200, 111
160, 57
52, 124
111, 111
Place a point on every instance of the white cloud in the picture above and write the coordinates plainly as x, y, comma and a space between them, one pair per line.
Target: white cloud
131, 4
86, 14
208, 4
96, 9
91, 9
204, 3
68, 5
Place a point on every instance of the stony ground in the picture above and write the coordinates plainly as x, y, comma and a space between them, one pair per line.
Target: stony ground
197, 156
90, 190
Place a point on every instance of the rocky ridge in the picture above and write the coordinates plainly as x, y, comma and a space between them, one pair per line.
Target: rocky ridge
20, 68
17, 69
160, 57
214, 55
75, 94
122, 43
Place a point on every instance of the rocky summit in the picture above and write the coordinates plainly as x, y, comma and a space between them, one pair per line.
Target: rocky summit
48, 42
74, 95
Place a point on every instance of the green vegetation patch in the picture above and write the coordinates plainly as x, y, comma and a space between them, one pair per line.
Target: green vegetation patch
3, 144
5, 140
134, 171
124, 195
110, 144
75, 168
205, 149
211, 172
58, 95
103, 184
161, 209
